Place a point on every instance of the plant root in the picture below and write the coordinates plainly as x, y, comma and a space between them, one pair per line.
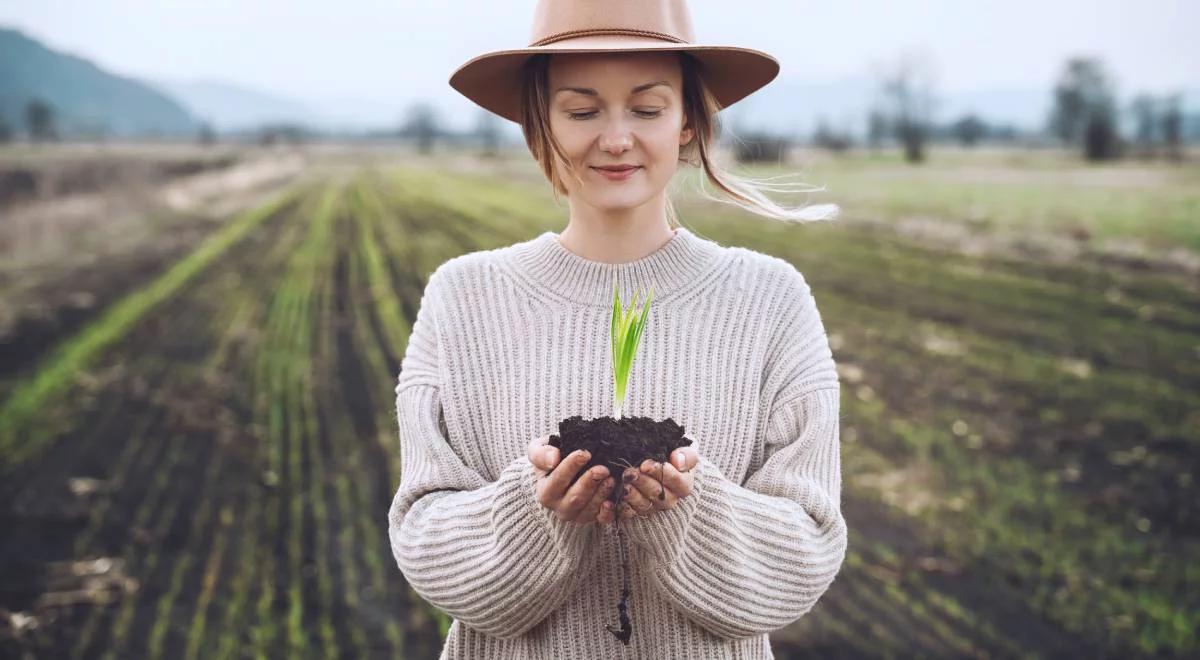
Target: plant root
625, 631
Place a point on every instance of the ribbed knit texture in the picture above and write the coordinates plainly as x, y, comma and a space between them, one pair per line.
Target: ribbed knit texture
510, 341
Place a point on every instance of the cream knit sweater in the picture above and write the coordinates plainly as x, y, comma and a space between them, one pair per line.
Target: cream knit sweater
509, 341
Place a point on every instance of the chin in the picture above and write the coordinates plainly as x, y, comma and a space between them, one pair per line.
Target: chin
620, 199
619, 204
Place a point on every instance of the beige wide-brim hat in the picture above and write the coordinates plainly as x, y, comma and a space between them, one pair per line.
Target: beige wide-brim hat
493, 80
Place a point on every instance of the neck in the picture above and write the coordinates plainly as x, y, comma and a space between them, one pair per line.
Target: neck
617, 236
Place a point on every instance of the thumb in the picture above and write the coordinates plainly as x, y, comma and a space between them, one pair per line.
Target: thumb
541, 454
685, 458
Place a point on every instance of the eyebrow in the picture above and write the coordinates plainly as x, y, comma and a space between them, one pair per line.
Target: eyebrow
591, 92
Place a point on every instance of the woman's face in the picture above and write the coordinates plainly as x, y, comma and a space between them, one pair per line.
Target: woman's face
606, 109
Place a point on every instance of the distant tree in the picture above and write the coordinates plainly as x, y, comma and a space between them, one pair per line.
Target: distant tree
282, 133
908, 91
877, 128
1172, 126
1002, 133
760, 147
487, 131
205, 134
6, 132
1100, 139
421, 124
1084, 109
39, 120
1144, 109
969, 129
826, 138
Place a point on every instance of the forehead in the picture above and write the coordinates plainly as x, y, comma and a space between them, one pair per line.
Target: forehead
614, 73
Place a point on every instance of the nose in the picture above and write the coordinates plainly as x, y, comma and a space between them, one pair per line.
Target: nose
616, 137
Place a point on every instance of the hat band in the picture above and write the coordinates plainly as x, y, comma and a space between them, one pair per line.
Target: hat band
571, 34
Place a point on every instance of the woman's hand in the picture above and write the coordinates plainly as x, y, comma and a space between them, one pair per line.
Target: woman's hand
582, 502
642, 498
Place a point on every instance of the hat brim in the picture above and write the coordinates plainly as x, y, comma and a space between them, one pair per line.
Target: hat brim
492, 80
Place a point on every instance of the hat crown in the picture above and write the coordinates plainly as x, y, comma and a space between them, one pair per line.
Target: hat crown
556, 20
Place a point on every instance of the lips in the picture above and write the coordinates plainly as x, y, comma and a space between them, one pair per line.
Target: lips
622, 174
618, 169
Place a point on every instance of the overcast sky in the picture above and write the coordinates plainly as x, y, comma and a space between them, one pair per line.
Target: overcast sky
389, 52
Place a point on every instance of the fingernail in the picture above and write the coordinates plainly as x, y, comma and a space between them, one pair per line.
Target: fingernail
548, 453
586, 455
679, 457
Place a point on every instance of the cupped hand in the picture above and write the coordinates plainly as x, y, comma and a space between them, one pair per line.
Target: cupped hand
581, 502
671, 481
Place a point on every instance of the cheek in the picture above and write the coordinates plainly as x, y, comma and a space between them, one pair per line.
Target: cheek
664, 143
573, 140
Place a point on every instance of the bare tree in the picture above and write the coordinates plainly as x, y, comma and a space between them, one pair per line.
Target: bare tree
1084, 109
1172, 126
907, 87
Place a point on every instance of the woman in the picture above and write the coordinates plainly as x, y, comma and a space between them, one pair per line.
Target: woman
491, 526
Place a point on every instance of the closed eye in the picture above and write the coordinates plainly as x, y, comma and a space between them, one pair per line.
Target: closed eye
641, 113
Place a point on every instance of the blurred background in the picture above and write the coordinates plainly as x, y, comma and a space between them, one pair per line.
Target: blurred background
217, 219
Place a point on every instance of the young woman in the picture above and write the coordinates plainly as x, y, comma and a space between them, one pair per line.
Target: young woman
489, 523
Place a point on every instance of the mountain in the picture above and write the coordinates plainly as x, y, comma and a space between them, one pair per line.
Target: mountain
85, 99
231, 107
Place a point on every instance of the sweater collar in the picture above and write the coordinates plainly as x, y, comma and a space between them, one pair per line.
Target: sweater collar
546, 263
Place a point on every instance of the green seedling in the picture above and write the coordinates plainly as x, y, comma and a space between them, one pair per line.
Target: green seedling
627, 326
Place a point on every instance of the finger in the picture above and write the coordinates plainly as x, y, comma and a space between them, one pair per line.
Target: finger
636, 499
627, 512
677, 484
685, 458
608, 512
581, 492
561, 478
542, 455
590, 513
653, 490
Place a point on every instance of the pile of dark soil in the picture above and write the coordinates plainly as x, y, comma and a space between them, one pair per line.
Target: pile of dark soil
618, 444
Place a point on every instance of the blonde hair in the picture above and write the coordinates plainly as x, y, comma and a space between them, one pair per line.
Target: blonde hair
700, 110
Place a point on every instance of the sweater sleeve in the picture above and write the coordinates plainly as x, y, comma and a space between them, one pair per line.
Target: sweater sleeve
745, 559
486, 553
